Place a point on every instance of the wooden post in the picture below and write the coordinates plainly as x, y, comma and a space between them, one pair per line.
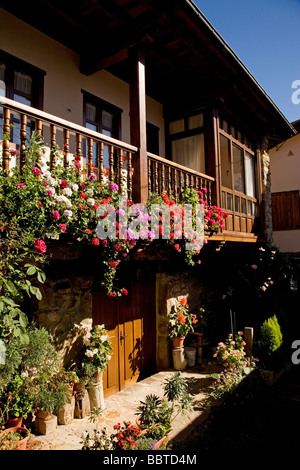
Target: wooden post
138, 123
249, 341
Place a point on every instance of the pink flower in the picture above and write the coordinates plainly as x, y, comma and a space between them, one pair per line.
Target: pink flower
55, 215
253, 266
36, 171
63, 184
62, 227
21, 185
40, 246
95, 241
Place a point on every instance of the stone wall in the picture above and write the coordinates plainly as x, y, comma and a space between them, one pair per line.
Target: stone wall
168, 289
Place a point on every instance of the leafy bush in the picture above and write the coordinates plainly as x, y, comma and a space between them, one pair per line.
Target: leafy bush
269, 343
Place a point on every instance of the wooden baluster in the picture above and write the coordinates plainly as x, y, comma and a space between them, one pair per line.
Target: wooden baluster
52, 147
39, 129
79, 146
209, 193
6, 134
162, 178
90, 155
100, 162
169, 182
120, 169
66, 147
23, 124
149, 177
129, 175
155, 177
175, 185
111, 163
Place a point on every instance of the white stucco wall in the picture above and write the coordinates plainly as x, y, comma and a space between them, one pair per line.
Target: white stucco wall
63, 80
285, 176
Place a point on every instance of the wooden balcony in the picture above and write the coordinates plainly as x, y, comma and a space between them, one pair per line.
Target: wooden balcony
72, 139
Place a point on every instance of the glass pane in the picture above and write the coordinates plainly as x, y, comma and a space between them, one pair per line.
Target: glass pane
176, 126
229, 201
23, 83
249, 207
2, 80
225, 162
250, 175
243, 206
223, 199
238, 169
195, 121
22, 99
237, 203
91, 112
189, 152
107, 120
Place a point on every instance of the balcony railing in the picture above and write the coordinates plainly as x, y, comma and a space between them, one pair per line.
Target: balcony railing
70, 138
73, 139
172, 178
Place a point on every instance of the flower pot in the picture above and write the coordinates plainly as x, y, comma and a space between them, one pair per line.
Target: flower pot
178, 342
15, 422
44, 415
22, 443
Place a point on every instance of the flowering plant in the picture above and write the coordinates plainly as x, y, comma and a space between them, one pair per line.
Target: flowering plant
180, 320
96, 350
99, 440
125, 436
231, 354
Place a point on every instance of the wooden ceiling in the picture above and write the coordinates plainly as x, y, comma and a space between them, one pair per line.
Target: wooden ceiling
185, 57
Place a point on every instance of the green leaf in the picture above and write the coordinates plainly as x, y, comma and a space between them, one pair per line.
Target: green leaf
31, 270
41, 277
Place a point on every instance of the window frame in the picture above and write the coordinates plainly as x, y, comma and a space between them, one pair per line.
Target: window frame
106, 106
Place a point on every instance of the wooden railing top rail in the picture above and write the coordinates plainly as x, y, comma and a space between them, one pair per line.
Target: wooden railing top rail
165, 161
51, 119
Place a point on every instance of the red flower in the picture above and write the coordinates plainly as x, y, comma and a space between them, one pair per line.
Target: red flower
82, 196
177, 247
55, 215
124, 291
88, 231
95, 241
40, 246
181, 318
112, 264
95, 206
63, 184
62, 227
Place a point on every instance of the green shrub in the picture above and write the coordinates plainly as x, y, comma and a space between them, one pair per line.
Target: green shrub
269, 343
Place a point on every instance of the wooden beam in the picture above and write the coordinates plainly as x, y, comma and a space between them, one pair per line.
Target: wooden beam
138, 123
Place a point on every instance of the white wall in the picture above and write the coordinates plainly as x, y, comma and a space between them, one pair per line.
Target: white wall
285, 176
64, 82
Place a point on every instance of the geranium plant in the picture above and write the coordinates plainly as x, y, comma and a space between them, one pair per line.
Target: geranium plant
231, 354
96, 352
181, 321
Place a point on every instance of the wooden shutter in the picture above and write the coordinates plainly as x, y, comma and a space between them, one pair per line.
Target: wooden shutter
286, 210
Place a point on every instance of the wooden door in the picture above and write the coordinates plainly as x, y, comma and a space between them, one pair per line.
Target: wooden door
130, 321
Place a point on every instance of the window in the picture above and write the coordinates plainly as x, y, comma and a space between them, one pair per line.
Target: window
238, 161
103, 117
286, 210
187, 142
152, 138
21, 82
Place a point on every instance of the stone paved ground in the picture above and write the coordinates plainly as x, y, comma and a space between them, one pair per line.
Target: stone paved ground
123, 405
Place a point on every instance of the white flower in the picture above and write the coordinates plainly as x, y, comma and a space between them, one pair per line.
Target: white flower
91, 201
67, 191
64, 200
68, 214
75, 187
90, 191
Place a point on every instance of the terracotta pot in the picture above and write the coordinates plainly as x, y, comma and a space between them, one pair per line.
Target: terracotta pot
22, 430
44, 415
161, 441
178, 342
14, 422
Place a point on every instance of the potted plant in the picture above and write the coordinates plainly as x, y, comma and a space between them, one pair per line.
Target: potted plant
181, 322
155, 415
17, 401
14, 438
96, 352
50, 398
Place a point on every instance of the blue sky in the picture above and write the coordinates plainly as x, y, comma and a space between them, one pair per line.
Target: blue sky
265, 35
